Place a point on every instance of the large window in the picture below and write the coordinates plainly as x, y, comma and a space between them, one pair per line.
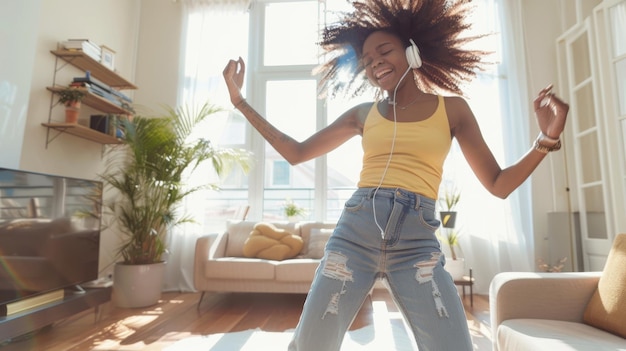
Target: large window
282, 40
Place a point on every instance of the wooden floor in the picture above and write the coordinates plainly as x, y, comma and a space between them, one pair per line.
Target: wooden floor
177, 316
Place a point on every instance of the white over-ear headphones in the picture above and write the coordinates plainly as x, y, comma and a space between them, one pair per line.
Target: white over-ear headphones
413, 55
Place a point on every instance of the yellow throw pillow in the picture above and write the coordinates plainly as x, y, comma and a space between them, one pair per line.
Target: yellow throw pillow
270, 243
607, 307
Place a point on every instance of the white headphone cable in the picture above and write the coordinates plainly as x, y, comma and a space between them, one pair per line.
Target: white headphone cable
393, 144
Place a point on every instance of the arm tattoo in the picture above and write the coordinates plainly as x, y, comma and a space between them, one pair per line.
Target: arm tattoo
268, 131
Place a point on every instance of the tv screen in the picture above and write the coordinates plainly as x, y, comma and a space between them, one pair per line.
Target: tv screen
49, 232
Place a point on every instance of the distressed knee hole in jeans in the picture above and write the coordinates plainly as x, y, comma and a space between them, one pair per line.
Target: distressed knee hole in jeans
335, 267
424, 274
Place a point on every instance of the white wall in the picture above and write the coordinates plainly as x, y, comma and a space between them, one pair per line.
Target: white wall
159, 53
113, 23
16, 61
143, 33
548, 180
36, 26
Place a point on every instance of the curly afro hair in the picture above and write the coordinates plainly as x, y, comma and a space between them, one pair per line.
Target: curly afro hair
435, 26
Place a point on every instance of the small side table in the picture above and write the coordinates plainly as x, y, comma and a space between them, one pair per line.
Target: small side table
467, 281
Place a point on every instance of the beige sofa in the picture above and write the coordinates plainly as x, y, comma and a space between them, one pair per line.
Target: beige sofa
544, 311
220, 265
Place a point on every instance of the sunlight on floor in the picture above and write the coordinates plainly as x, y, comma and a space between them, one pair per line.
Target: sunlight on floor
109, 338
383, 321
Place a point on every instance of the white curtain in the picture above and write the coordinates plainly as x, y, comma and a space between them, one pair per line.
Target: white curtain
213, 33
496, 234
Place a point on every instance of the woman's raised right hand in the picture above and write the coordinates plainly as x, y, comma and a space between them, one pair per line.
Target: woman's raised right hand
233, 76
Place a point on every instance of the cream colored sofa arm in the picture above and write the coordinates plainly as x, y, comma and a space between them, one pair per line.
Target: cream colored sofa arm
556, 296
207, 247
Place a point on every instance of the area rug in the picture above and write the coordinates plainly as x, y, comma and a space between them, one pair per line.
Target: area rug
392, 336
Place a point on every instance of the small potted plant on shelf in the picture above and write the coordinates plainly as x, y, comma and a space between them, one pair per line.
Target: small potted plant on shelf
71, 98
448, 201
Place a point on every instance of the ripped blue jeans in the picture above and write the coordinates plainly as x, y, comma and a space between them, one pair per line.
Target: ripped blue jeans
408, 256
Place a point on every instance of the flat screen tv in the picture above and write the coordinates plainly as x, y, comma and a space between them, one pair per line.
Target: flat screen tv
49, 233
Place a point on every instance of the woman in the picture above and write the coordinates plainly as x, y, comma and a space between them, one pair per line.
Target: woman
387, 228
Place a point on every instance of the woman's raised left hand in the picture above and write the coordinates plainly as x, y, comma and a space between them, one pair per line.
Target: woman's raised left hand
551, 113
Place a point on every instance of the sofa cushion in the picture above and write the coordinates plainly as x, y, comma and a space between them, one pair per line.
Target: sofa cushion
544, 334
317, 243
607, 307
305, 231
239, 231
240, 268
296, 270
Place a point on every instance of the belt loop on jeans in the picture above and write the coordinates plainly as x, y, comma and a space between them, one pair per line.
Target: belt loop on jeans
370, 193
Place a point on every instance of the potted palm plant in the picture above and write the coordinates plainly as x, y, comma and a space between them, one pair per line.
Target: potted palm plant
71, 98
148, 190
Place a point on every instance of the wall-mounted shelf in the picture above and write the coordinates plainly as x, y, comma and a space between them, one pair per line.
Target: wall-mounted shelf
83, 132
86, 63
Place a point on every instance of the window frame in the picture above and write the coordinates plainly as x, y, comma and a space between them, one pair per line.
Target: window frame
258, 77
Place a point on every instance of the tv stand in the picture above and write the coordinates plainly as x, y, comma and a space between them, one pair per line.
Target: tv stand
36, 318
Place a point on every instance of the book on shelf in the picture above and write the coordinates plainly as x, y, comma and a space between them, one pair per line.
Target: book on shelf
31, 302
94, 89
84, 45
91, 80
101, 88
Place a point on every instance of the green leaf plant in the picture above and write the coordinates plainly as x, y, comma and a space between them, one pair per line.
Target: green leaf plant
146, 177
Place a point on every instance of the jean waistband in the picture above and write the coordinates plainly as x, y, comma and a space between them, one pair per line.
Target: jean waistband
414, 199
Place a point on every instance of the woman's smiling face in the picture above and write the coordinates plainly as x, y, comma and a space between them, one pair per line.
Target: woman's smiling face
384, 59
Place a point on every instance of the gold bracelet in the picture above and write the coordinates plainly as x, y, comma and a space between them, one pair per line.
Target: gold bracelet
543, 148
543, 137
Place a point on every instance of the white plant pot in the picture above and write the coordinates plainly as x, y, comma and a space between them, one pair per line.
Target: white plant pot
456, 268
137, 285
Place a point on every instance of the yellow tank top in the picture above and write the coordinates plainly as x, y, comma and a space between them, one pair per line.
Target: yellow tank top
418, 155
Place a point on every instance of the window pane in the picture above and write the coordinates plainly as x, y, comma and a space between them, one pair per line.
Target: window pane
618, 28
596, 221
586, 108
291, 33
280, 173
292, 108
580, 52
590, 153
